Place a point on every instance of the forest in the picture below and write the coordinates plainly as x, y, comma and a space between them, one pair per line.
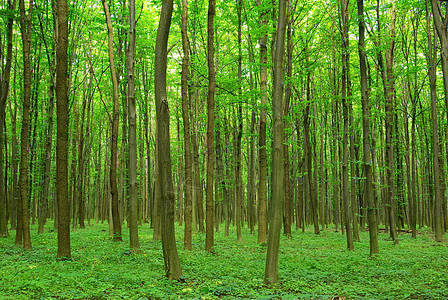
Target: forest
215, 133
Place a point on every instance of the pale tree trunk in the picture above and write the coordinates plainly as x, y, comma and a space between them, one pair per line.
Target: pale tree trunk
4, 90
186, 92
262, 156
432, 54
63, 212
368, 184
345, 105
134, 243
209, 233
26, 30
278, 170
170, 256
114, 127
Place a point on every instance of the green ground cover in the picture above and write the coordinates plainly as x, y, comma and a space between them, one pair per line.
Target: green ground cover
311, 267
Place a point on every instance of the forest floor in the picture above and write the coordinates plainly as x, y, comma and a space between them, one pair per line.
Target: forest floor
310, 267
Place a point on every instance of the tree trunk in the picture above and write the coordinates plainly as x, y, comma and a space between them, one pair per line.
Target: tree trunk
368, 183
437, 224
389, 153
64, 251
26, 30
4, 91
134, 243
278, 170
345, 105
186, 92
209, 233
262, 156
114, 126
170, 256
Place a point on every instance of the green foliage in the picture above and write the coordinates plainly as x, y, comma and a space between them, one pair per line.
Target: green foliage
310, 266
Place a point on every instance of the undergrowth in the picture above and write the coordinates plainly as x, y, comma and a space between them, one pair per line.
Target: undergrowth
310, 267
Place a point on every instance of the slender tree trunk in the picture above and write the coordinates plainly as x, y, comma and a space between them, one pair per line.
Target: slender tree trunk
345, 105
262, 156
114, 126
186, 92
239, 200
278, 170
368, 183
64, 250
435, 133
26, 30
209, 239
134, 243
170, 256
4, 91
389, 152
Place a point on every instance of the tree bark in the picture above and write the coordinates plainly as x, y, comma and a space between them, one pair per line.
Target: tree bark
368, 184
389, 152
432, 54
345, 105
170, 256
64, 250
278, 170
209, 233
26, 30
4, 91
134, 243
114, 126
186, 92
262, 156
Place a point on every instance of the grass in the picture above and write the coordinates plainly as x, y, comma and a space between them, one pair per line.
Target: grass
310, 267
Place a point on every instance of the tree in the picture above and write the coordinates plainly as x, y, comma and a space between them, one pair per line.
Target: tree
4, 90
432, 51
64, 250
170, 256
209, 203
26, 30
262, 156
185, 117
278, 170
114, 128
133, 205
368, 184
345, 64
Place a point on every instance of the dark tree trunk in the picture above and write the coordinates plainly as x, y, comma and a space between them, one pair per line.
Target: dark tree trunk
64, 251
368, 183
26, 30
209, 240
4, 90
